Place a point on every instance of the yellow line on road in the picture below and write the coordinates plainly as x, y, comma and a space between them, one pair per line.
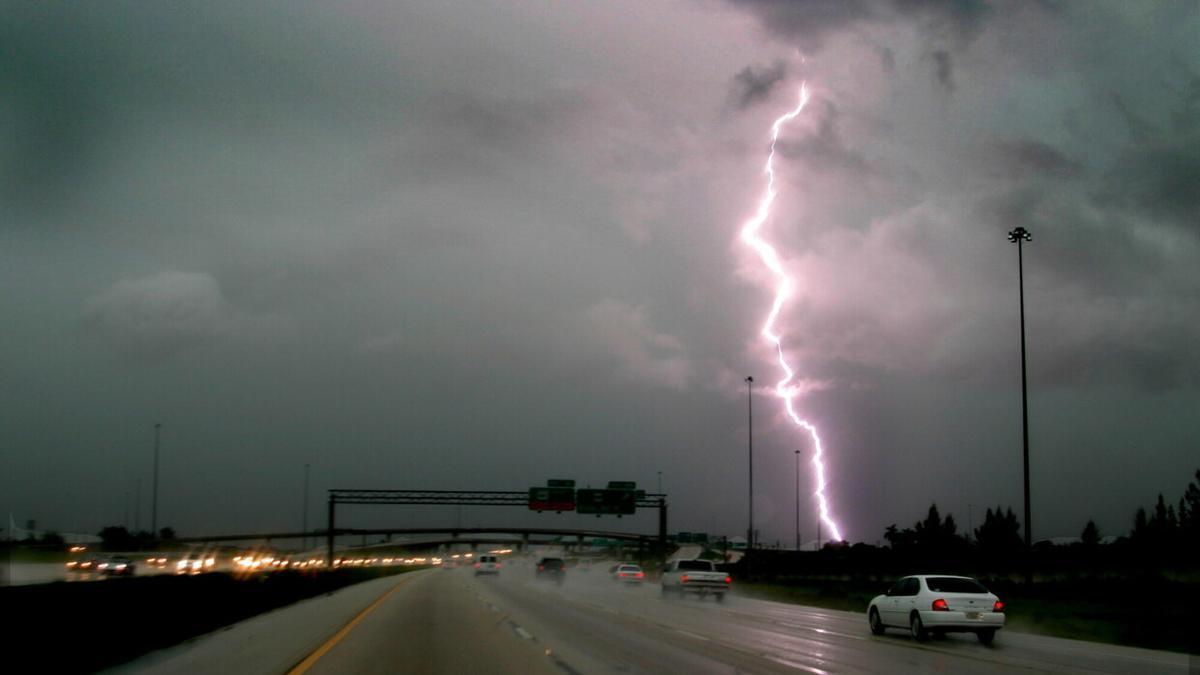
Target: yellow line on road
312, 658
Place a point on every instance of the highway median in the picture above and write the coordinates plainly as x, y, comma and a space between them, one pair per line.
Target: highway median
114, 621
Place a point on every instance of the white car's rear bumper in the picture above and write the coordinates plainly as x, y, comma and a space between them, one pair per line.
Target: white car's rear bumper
962, 620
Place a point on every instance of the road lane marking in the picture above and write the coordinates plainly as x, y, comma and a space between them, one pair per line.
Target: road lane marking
312, 658
793, 664
522, 632
692, 635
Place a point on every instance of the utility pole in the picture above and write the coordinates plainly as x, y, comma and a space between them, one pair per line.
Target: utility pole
750, 446
137, 506
154, 499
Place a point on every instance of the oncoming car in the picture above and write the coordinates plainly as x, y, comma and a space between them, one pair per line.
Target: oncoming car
937, 604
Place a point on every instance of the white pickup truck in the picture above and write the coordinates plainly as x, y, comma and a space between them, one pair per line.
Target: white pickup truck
694, 576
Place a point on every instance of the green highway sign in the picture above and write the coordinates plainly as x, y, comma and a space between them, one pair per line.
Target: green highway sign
560, 483
606, 502
556, 499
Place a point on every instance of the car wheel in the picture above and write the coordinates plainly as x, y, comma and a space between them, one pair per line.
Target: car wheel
666, 591
720, 597
877, 627
917, 628
987, 636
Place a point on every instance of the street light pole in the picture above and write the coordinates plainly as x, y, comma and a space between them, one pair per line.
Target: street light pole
304, 510
750, 446
1019, 236
797, 500
154, 497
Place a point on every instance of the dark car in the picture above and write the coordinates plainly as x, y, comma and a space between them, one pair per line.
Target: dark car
552, 569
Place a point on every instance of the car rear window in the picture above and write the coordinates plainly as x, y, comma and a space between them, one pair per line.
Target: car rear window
552, 563
697, 565
630, 568
954, 585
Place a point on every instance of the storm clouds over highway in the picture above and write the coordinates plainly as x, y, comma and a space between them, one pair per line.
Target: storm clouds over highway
478, 245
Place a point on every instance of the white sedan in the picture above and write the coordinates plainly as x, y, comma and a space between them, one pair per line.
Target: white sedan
938, 604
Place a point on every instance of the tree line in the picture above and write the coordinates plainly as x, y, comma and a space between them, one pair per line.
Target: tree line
1175, 526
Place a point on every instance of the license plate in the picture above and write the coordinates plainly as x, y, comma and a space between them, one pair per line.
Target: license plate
973, 615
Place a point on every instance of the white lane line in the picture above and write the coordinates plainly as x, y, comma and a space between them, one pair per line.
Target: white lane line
523, 633
692, 635
821, 631
793, 664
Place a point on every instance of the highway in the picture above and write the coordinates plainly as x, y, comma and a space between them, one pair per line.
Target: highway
448, 621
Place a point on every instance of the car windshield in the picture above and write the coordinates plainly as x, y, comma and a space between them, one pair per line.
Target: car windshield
954, 585
696, 565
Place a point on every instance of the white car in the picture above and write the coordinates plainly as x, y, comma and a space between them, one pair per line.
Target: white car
487, 564
938, 604
629, 574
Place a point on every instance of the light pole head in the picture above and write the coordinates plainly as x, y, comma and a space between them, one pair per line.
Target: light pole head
1020, 234
749, 379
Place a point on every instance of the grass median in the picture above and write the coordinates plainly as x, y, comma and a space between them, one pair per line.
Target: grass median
84, 627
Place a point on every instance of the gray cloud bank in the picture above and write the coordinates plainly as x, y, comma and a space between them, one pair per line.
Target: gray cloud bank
478, 245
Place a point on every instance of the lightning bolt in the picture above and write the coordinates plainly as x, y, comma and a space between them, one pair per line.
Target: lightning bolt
784, 287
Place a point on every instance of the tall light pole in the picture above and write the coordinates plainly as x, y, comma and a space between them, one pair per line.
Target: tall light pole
797, 500
1018, 237
304, 510
154, 497
750, 446
660, 482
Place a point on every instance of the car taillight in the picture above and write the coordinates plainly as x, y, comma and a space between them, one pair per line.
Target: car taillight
940, 605
640, 575
728, 579
998, 607
476, 565
541, 568
683, 579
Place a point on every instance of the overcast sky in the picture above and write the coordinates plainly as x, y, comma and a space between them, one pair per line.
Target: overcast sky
481, 244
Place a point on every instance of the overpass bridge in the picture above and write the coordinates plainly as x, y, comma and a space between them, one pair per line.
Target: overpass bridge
455, 535
508, 498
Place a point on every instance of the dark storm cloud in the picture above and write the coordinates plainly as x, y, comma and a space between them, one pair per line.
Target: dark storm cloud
1033, 158
80, 79
1161, 179
755, 84
810, 22
943, 69
824, 148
